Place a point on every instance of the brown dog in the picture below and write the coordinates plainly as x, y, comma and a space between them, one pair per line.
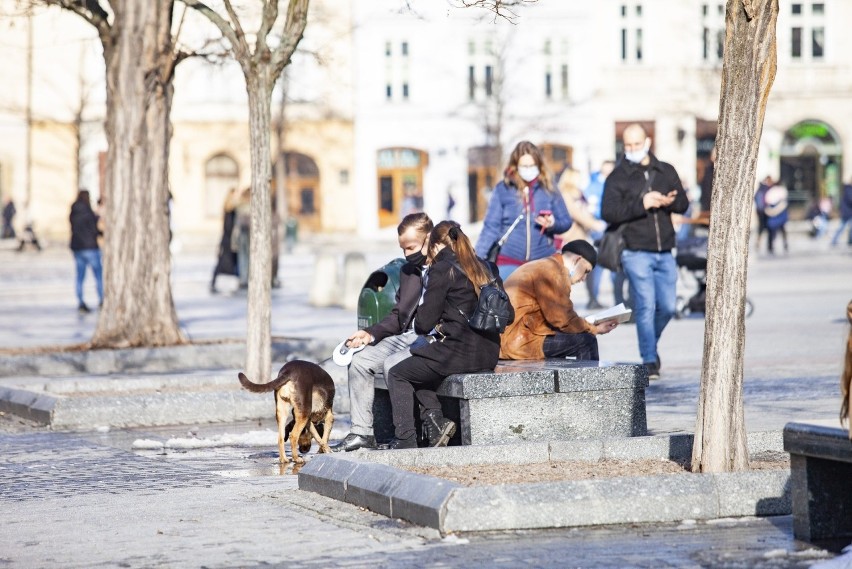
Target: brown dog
308, 390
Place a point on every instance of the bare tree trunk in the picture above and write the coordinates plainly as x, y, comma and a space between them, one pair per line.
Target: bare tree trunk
747, 75
138, 306
259, 333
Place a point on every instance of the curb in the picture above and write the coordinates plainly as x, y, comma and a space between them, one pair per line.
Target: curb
368, 479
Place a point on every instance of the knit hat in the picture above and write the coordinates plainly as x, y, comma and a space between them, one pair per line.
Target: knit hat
582, 248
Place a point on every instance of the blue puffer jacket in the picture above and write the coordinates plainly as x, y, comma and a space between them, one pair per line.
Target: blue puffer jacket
526, 242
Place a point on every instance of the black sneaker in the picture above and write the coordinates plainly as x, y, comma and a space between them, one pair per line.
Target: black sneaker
653, 371
83, 309
438, 429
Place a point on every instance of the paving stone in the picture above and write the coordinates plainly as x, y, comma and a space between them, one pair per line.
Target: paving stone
327, 475
677, 447
756, 493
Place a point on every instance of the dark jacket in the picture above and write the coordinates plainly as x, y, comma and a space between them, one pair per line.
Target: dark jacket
645, 230
84, 226
504, 207
449, 291
846, 203
407, 297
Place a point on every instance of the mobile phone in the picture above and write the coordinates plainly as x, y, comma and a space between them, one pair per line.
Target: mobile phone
545, 212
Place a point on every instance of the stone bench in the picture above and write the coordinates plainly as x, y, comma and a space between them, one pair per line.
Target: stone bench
536, 400
821, 483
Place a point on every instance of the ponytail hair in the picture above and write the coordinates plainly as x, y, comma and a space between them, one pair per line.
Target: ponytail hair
449, 233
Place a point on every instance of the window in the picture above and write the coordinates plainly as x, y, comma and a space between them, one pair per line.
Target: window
388, 92
720, 8
564, 74
405, 91
306, 201
546, 47
818, 42
638, 9
818, 9
705, 42
796, 47
704, 9
623, 44
639, 44
623, 11
387, 49
489, 80
720, 44
471, 82
796, 9
404, 49
548, 85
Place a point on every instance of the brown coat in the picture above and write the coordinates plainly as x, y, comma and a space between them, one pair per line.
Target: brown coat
540, 292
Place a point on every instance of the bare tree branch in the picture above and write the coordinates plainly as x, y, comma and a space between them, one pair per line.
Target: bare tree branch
241, 35
269, 16
234, 36
294, 29
500, 8
89, 10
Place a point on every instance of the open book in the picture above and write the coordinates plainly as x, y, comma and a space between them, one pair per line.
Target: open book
618, 313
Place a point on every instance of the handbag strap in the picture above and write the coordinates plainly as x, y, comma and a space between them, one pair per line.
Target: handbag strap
505, 236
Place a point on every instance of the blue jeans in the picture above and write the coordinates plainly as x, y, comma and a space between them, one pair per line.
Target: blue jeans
506, 270
845, 223
582, 346
89, 258
653, 281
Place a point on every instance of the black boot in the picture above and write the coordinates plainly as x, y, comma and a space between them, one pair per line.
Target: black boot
438, 429
396, 444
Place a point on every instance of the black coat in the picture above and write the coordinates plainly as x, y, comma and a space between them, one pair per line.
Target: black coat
449, 291
645, 230
84, 226
407, 297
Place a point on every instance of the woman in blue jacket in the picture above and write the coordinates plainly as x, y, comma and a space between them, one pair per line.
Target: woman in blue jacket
525, 191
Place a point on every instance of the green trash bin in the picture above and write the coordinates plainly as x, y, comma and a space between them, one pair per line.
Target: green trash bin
379, 294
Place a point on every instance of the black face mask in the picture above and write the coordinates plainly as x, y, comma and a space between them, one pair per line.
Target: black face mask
418, 259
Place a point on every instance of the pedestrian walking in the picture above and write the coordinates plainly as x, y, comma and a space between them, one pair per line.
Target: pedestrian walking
760, 208
8, 215
84, 244
241, 234
845, 216
776, 216
641, 195
525, 193
226, 261
584, 225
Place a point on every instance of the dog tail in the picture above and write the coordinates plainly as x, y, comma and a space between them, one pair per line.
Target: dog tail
262, 387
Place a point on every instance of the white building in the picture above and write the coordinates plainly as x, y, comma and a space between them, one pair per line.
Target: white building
395, 105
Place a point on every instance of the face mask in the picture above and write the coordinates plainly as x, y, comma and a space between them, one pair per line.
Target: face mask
418, 259
528, 173
637, 156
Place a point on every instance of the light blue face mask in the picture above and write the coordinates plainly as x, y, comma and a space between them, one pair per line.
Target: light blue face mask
528, 173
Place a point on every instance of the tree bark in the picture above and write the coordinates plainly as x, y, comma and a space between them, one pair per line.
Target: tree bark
747, 74
259, 321
138, 306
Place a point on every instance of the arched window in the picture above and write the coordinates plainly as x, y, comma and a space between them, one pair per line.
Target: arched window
221, 173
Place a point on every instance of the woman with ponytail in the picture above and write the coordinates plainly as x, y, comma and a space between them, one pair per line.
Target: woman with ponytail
450, 346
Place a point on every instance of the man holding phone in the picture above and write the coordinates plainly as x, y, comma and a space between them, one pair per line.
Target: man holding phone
641, 193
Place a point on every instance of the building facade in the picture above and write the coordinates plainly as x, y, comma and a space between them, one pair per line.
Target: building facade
391, 106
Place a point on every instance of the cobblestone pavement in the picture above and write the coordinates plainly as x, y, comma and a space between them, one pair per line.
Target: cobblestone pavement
68, 501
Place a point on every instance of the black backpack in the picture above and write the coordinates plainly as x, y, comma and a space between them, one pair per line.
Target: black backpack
493, 311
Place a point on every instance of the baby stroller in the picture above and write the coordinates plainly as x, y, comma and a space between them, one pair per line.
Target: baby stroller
691, 260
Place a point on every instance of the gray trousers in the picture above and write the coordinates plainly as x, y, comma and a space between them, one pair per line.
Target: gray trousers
380, 357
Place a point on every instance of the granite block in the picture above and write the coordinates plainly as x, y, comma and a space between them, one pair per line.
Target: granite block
765, 441
498, 384
672, 447
371, 486
579, 503
817, 441
753, 493
593, 376
554, 416
821, 498
420, 499
326, 475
